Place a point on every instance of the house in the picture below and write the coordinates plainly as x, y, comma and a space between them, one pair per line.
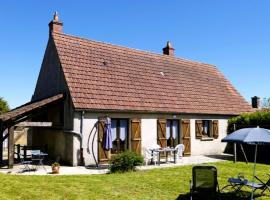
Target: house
151, 98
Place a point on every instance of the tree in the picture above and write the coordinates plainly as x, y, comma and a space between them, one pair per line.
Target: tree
3, 105
265, 102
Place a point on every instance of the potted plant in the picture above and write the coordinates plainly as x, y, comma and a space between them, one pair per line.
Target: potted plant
55, 168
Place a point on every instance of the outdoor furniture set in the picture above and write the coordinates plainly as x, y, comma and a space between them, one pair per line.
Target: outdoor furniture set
236, 185
204, 184
154, 153
36, 160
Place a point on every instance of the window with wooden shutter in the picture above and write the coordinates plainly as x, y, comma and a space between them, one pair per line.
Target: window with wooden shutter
135, 132
119, 131
185, 128
172, 132
198, 129
161, 133
215, 129
103, 155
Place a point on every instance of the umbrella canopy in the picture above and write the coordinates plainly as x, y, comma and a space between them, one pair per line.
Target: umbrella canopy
107, 136
254, 136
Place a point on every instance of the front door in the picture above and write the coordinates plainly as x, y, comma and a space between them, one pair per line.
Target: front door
103, 155
185, 133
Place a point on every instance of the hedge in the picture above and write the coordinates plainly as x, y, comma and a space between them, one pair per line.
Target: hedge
259, 118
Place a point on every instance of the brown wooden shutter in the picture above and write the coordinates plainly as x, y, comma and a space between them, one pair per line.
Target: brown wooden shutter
135, 130
185, 128
198, 129
161, 133
215, 129
103, 155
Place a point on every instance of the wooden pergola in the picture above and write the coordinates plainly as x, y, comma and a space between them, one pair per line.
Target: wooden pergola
22, 116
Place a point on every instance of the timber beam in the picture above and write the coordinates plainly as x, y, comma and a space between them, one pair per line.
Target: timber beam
34, 124
10, 147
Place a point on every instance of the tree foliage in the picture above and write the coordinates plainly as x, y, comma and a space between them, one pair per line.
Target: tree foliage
259, 118
3, 105
265, 102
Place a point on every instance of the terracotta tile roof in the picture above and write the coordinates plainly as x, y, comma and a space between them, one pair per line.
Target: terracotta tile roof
102, 76
28, 107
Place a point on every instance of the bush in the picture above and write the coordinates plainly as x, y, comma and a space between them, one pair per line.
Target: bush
125, 161
258, 118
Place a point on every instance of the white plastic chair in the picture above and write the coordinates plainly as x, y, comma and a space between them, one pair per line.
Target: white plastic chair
180, 148
149, 156
155, 146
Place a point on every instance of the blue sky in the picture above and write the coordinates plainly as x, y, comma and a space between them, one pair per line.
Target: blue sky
233, 35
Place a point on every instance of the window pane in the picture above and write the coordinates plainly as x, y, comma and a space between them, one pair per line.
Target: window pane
168, 129
123, 129
175, 129
113, 126
206, 127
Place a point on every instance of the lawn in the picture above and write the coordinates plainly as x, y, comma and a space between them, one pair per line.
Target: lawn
151, 184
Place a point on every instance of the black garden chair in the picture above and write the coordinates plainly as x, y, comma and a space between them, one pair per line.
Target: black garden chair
204, 184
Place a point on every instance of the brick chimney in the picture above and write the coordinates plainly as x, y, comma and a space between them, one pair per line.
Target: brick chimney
255, 101
168, 50
55, 25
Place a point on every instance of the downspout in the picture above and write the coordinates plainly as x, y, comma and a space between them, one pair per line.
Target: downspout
81, 132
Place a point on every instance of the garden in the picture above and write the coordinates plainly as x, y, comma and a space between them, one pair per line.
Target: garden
169, 183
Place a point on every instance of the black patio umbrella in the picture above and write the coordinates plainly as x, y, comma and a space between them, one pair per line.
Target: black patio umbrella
254, 136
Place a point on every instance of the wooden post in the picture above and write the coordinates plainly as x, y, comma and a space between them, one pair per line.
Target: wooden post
10, 147
24, 152
234, 152
18, 151
234, 146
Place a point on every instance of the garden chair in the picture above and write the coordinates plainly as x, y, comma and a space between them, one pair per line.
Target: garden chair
263, 186
204, 183
180, 148
155, 146
150, 156
25, 163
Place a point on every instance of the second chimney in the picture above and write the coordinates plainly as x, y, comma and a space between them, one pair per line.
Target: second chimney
168, 50
56, 25
255, 101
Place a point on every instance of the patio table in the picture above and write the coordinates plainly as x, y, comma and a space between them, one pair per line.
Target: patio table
38, 157
166, 151
235, 185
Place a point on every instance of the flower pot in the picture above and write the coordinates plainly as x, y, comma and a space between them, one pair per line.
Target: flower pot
55, 169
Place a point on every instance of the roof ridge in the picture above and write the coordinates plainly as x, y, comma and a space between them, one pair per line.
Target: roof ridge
138, 50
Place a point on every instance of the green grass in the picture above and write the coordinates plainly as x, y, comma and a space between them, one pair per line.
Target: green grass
151, 184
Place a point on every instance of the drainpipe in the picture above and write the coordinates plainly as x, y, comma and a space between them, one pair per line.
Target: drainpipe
81, 132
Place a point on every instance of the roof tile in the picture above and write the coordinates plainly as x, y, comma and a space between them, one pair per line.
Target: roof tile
102, 76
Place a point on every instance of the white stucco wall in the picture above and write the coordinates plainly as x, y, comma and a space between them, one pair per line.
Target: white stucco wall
89, 133
208, 147
148, 133
148, 128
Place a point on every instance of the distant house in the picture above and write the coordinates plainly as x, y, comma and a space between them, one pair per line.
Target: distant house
151, 98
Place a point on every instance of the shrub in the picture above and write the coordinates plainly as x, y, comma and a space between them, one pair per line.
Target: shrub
125, 161
258, 118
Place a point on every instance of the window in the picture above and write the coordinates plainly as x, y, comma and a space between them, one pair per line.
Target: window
172, 132
119, 129
206, 129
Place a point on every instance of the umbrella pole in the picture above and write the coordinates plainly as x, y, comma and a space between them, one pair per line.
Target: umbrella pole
254, 167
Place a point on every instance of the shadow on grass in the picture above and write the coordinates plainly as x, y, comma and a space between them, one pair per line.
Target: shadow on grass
221, 196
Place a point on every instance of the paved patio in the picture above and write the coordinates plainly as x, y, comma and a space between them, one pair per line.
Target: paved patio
81, 170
